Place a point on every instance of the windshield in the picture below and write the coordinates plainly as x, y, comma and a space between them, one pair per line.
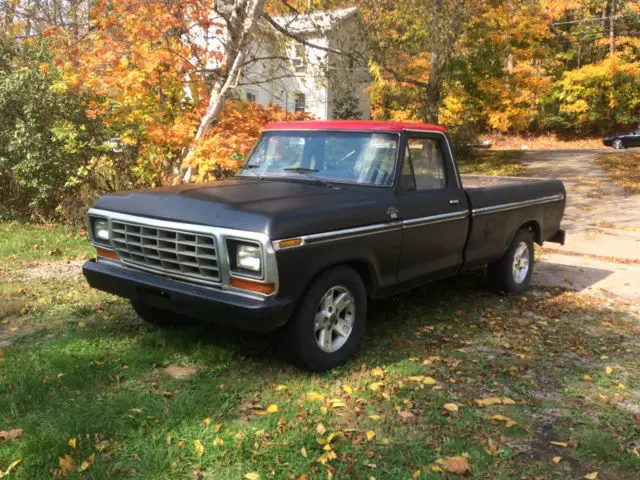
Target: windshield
343, 157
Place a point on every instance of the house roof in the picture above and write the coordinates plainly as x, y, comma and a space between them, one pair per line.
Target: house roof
353, 125
321, 21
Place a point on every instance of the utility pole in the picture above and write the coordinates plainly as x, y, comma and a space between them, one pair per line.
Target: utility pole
612, 34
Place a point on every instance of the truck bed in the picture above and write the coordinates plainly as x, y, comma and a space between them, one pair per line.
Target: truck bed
501, 205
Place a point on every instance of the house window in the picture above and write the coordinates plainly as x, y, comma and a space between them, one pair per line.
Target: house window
300, 59
251, 97
300, 106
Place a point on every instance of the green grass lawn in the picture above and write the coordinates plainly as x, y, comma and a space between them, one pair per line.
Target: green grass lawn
86, 381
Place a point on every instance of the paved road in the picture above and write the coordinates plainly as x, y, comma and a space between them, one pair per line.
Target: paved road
601, 221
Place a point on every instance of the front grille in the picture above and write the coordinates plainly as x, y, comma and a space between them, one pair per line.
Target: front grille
183, 255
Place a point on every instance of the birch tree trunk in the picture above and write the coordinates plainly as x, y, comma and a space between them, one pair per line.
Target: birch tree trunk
241, 23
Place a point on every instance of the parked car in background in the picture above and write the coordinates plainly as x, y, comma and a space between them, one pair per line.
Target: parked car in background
623, 140
323, 216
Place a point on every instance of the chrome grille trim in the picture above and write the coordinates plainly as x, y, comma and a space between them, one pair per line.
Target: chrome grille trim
180, 254
220, 234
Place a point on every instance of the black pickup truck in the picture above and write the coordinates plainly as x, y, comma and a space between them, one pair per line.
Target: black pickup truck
321, 217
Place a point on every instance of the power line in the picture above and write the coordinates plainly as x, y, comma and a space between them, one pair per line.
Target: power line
596, 19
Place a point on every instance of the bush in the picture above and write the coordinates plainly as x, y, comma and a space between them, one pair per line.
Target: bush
45, 137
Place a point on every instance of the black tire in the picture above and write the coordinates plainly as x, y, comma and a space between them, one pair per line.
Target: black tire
159, 317
301, 340
618, 144
501, 272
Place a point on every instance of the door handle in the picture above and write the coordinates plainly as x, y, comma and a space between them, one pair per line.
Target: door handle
454, 202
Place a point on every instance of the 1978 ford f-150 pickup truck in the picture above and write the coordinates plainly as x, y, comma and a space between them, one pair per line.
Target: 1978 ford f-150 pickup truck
321, 217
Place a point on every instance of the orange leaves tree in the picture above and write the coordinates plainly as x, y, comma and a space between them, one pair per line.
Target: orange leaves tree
225, 145
157, 73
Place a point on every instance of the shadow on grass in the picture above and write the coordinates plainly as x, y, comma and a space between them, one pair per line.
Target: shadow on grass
105, 381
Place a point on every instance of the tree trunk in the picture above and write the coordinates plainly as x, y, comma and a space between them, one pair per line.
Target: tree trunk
434, 88
240, 26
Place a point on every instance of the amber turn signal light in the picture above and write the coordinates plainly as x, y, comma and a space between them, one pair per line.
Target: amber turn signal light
293, 242
102, 252
252, 286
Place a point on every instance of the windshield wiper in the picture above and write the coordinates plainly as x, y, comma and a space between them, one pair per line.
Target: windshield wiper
307, 172
249, 168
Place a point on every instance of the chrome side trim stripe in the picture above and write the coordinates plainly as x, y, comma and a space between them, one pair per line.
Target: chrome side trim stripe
511, 206
445, 217
324, 237
350, 233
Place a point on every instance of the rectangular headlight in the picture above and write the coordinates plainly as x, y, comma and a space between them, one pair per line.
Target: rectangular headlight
100, 230
245, 258
248, 257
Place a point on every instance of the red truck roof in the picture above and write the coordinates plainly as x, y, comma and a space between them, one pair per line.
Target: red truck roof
359, 125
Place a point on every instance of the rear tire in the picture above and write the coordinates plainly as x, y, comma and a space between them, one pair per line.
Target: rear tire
512, 273
326, 328
159, 317
618, 144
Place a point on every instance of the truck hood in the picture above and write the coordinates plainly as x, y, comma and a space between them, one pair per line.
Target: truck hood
279, 208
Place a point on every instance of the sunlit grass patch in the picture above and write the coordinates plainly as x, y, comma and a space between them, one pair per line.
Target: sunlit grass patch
624, 169
492, 162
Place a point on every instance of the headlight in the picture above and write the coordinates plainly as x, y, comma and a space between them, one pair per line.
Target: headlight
100, 230
248, 258
245, 258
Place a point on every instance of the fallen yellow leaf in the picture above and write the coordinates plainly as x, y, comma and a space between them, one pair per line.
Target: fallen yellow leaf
608, 370
416, 474
371, 435
87, 463
303, 451
218, 442
591, 476
377, 372
272, 408
587, 378
320, 429
67, 465
418, 378
280, 388
10, 434
199, 447
556, 459
375, 386
206, 421
560, 444
487, 402
375, 417
11, 467
252, 476
429, 381
450, 407
347, 389
458, 465
72, 442
503, 418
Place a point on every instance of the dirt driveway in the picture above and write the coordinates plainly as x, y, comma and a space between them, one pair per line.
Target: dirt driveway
602, 252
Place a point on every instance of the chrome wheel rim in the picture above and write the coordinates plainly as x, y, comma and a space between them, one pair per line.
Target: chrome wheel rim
520, 267
617, 144
334, 319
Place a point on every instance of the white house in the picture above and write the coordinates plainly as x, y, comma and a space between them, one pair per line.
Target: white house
303, 78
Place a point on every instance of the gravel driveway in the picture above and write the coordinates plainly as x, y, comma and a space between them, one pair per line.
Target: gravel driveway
602, 252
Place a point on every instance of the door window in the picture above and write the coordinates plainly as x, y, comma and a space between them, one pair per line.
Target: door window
423, 167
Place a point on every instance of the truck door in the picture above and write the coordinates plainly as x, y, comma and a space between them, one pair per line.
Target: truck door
433, 209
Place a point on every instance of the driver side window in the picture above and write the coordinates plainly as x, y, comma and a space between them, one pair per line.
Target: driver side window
423, 166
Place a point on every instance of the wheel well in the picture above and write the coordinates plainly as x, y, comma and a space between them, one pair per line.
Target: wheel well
533, 227
361, 267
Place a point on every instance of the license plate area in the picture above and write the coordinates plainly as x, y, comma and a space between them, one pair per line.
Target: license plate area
155, 297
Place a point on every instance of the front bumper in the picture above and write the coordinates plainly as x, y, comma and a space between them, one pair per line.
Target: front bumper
189, 300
